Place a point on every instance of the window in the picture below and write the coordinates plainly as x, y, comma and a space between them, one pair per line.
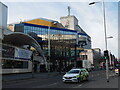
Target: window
73, 71
13, 64
84, 57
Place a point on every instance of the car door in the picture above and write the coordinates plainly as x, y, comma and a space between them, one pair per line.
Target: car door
82, 75
87, 74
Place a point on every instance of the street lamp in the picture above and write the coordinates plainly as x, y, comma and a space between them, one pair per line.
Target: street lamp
49, 54
104, 22
93, 3
109, 37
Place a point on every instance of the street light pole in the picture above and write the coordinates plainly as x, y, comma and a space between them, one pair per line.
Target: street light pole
104, 23
32, 65
49, 49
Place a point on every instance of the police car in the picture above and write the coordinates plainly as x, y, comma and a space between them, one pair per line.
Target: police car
76, 75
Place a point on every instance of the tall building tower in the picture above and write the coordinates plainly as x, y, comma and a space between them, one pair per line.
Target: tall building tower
69, 22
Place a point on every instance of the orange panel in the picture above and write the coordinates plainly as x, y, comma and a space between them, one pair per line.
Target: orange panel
41, 22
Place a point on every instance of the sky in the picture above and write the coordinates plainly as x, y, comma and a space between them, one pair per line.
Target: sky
90, 17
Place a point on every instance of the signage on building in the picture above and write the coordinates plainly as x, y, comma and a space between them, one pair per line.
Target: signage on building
22, 54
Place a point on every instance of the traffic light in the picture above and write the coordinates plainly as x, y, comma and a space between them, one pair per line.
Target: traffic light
106, 55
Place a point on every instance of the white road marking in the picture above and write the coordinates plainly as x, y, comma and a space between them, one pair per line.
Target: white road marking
52, 84
78, 86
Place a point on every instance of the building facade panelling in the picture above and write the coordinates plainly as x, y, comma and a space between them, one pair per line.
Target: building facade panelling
93, 55
69, 22
3, 19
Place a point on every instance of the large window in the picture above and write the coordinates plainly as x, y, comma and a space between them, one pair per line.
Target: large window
14, 64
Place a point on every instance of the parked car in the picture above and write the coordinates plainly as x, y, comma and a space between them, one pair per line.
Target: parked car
76, 75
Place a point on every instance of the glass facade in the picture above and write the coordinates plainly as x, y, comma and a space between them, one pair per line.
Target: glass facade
62, 42
14, 64
8, 58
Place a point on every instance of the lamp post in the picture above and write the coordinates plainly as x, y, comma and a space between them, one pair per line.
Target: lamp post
104, 23
49, 52
32, 65
109, 37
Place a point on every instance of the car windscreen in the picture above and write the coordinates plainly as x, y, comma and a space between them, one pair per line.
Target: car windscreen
73, 71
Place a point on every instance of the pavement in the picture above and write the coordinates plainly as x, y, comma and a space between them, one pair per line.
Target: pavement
101, 82
14, 77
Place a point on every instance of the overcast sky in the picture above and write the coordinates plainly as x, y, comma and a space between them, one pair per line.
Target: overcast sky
90, 17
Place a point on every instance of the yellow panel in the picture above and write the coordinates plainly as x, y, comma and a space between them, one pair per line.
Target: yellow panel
41, 22
77, 49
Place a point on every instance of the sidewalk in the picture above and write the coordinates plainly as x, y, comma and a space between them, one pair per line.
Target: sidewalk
102, 83
41, 75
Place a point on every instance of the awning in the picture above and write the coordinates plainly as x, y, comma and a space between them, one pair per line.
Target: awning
20, 39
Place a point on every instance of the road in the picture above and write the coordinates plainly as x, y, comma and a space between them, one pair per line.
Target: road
97, 79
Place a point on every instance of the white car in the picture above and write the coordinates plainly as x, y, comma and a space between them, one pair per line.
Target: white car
76, 75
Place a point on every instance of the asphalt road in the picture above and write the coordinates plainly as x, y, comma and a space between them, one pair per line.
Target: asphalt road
97, 79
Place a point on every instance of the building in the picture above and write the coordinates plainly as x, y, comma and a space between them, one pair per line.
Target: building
71, 22
15, 49
93, 55
62, 42
65, 44
16, 58
3, 18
